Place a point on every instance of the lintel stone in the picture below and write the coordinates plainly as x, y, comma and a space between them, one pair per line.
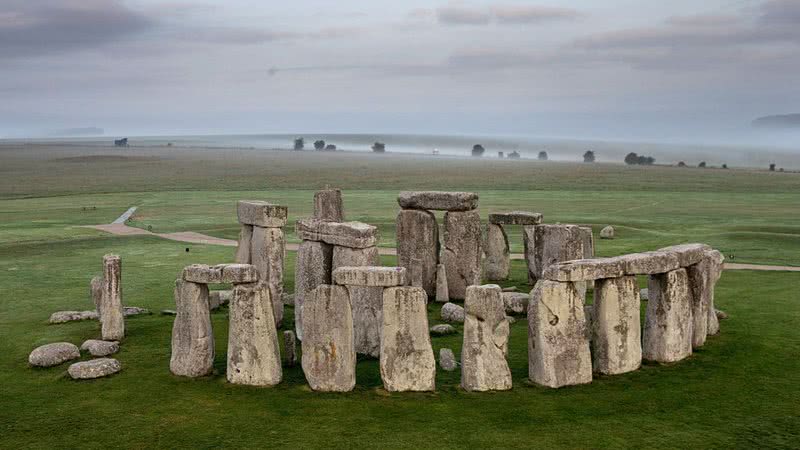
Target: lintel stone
515, 218
261, 214
370, 276
437, 200
345, 234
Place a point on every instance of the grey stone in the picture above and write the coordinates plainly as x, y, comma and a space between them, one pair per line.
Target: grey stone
169, 312
585, 270
72, 316
415, 274
515, 218
699, 278
498, 255
558, 346
607, 232
97, 347
254, 357
648, 263
588, 242
312, 269
407, 361
289, 348
668, 319
288, 299
452, 313
96, 293
242, 255
218, 299
112, 319
510, 289
95, 368
49, 355
328, 205
418, 240
329, 356
483, 354
462, 251
447, 360
345, 234
616, 328
442, 329
687, 254
221, 273
721, 315
366, 302
644, 294
516, 302
717, 260
437, 200
267, 253
192, 336
370, 276
262, 214
529, 247
442, 292
128, 311
552, 244
511, 320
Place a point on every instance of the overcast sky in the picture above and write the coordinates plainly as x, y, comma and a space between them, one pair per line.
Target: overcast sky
613, 69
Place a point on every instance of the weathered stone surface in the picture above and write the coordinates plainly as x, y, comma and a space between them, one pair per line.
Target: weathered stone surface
128, 311
312, 269
699, 278
262, 214
267, 253
510, 289
345, 234
437, 200
442, 292
289, 349
515, 218
288, 299
453, 313
370, 276
447, 360
96, 293
328, 205
558, 346
498, 255
648, 263
253, 353
221, 273
192, 336
366, 302
96, 347
529, 247
721, 315
511, 320
616, 328
588, 242
415, 274
668, 319
687, 254
49, 355
407, 361
607, 232
483, 354
717, 260
95, 368
585, 270
329, 356
462, 251
644, 294
169, 312
553, 244
72, 316
242, 255
217, 299
112, 318
516, 302
418, 239
442, 329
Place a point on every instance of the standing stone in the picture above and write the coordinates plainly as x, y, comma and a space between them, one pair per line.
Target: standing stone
558, 346
442, 292
416, 276
716, 266
498, 254
328, 205
407, 361
329, 356
243, 247
607, 232
267, 253
312, 268
192, 336
366, 301
447, 360
462, 251
113, 319
699, 278
529, 245
289, 349
588, 242
253, 354
483, 354
553, 244
668, 319
96, 292
616, 327
418, 238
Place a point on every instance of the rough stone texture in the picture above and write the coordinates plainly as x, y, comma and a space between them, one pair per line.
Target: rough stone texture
447, 360
328, 205
558, 345
96, 293
96, 347
687, 254
552, 244
516, 302
261, 214
529, 245
345, 234
442, 292
668, 319
510, 289
588, 242
169, 312
288, 299
242, 255
289, 349
192, 336
717, 260
72, 316
453, 313
644, 294
511, 320
418, 238
407, 361
483, 354
462, 251
254, 356
648, 263
95, 368
585, 270
588, 314
370, 276
437, 200
416, 276
515, 218
607, 232
312, 269
699, 278
498, 255
217, 299
721, 315
221, 273
442, 329
128, 311
267, 253
49, 355
329, 356
112, 318
616, 328
366, 302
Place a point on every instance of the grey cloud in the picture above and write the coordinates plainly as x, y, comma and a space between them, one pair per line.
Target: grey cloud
512, 14
504, 14
780, 12
232, 36
462, 15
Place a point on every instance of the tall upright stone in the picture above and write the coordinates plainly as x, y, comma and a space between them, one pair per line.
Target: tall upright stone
462, 251
668, 319
558, 346
588, 242
96, 293
551, 244
529, 246
715, 269
267, 253
253, 352
112, 317
616, 326
407, 360
329, 356
498, 254
242, 255
442, 291
313, 266
418, 238
328, 205
366, 301
483, 354
192, 336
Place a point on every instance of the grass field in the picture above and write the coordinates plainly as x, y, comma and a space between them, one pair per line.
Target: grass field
740, 390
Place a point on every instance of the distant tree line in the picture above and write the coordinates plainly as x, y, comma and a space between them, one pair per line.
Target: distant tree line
634, 159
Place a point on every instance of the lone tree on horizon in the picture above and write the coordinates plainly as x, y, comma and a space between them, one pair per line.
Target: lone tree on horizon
542, 156
588, 157
772, 167
319, 145
702, 165
299, 143
478, 150
513, 155
379, 147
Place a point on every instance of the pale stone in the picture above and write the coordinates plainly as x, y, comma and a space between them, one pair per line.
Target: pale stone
345, 234
498, 254
217, 299
72, 316
483, 354
370, 276
289, 348
515, 218
585, 270
95, 368
442, 292
288, 299
328, 205
511, 320
510, 289
416, 276
312, 269
366, 302
442, 329
644, 294
462, 251
668, 319
262, 214
267, 253
607, 232
529, 247
96, 293
192, 336
49, 355
588, 242
221, 273
721, 315
452, 313
553, 244
96, 347
128, 311
687, 254
648, 263
447, 360
418, 239
558, 346
112, 319
169, 312
242, 255
437, 200
516, 302
699, 278
329, 356
616, 327
253, 353
407, 361
717, 260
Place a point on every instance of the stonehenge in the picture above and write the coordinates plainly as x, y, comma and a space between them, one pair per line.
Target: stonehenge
668, 320
365, 300
615, 326
486, 330
328, 348
253, 354
497, 249
418, 242
192, 336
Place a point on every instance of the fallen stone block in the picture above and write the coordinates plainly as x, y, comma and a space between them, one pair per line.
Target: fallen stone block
406, 355
443, 329
97, 347
192, 335
687, 254
498, 254
329, 355
72, 316
585, 270
370, 276
447, 360
128, 311
261, 214
668, 318
345, 234
254, 357
49, 355
607, 232
616, 327
515, 218
95, 368
452, 313
516, 302
169, 312
462, 251
483, 354
328, 205
436, 200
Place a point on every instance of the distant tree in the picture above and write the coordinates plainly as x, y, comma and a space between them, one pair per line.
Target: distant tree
478, 150
542, 156
299, 143
588, 157
702, 165
513, 155
499, 154
631, 158
330, 148
724, 166
772, 167
780, 170
319, 145
379, 147
681, 164
649, 160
